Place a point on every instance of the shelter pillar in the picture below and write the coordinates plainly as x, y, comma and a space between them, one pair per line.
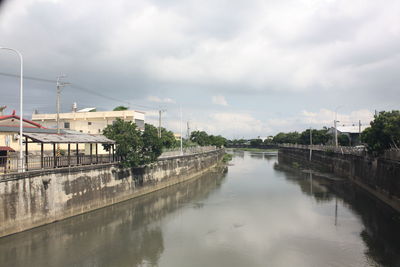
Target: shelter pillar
54, 155
77, 154
97, 154
69, 154
26, 153
41, 155
91, 153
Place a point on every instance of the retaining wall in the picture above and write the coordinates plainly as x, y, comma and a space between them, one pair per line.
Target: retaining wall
36, 198
379, 176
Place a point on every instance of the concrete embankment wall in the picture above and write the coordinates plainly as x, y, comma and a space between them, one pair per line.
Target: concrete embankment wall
379, 176
36, 198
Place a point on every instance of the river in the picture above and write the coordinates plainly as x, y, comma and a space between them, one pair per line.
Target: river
259, 213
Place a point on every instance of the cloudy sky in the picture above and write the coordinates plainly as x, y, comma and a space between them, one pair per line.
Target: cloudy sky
237, 68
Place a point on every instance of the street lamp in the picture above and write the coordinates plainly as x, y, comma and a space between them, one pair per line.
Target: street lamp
21, 157
335, 125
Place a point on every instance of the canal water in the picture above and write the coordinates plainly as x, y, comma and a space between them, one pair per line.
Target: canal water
259, 213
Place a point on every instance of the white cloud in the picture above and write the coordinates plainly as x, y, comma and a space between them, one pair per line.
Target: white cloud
219, 100
325, 117
161, 100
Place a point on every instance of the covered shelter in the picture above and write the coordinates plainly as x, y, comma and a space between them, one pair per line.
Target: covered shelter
353, 132
74, 139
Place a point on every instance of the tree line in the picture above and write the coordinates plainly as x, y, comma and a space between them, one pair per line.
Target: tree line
383, 134
137, 147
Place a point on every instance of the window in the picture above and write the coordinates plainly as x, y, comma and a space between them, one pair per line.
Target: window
89, 123
66, 125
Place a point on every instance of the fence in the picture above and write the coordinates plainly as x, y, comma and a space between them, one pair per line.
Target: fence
187, 151
10, 164
392, 154
359, 151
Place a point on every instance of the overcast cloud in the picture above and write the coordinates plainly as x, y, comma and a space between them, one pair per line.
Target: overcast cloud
237, 68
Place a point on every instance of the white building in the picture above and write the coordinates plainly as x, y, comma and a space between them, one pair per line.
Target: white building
88, 120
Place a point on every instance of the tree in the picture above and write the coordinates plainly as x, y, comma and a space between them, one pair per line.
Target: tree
384, 132
200, 137
256, 142
132, 146
120, 108
168, 139
128, 140
152, 145
319, 137
290, 138
343, 140
268, 140
217, 140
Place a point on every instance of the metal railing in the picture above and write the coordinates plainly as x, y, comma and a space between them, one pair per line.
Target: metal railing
9, 164
359, 151
187, 151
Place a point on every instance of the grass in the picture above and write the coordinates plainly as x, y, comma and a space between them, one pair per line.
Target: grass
227, 157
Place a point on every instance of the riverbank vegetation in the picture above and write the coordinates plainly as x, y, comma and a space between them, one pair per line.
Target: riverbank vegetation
384, 132
134, 147
203, 139
227, 157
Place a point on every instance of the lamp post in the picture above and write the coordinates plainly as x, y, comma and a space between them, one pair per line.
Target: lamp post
21, 154
335, 125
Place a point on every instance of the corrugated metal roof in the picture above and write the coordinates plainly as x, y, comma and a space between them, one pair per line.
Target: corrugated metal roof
348, 129
68, 138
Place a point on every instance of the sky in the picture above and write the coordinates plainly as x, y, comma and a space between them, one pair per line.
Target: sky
236, 68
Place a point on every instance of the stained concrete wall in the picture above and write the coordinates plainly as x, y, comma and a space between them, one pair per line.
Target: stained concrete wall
36, 198
379, 176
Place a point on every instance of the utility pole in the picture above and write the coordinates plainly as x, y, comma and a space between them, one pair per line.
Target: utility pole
21, 164
159, 121
335, 125
60, 85
359, 131
188, 131
181, 132
310, 143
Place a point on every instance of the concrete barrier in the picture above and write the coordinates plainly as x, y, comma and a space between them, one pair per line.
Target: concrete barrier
36, 198
379, 176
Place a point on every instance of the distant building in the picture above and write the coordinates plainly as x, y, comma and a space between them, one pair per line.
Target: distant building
89, 120
9, 131
9, 136
352, 132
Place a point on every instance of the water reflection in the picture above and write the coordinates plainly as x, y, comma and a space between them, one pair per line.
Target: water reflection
381, 233
126, 234
262, 214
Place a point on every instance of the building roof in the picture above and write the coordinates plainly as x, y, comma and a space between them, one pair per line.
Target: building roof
349, 129
89, 115
87, 110
6, 148
68, 138
27, 123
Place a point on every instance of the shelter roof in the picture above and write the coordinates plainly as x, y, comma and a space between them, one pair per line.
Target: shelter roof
6, 148
68, 138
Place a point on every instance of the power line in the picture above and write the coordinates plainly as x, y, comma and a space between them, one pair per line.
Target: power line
78, 87
28, 78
